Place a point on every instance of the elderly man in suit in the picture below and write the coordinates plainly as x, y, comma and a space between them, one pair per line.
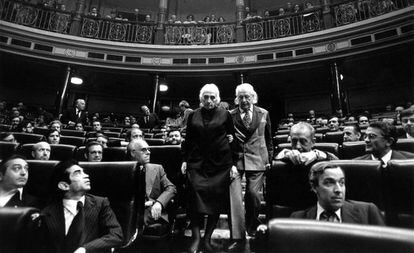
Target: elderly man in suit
148, 119
158, 189
255, 152
77, 114
76, 221
14, 173
41, 151
328, 183
380, 138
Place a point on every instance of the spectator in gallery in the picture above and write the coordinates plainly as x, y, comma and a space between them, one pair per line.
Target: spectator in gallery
363, 121
94, 151
55, 125
352, 133
79, 127
407, 120
41, 151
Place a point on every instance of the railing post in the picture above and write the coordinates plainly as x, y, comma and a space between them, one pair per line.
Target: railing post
327, 14
162, 12
77, 19
240, 33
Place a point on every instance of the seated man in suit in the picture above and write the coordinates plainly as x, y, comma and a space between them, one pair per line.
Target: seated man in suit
352, 133
41, 151
55, 125
328, 183
76, 221
14, 173
407, 120
159, 189
302, 152
134, 134
380, 137
94, 151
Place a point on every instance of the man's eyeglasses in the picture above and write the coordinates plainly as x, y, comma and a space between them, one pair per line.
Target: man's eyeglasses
405, 121
373, 136
145, 150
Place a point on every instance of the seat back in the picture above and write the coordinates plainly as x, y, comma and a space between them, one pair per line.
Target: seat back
7, 149
4, 127
41, 131
112, 134
363, 180
169, 156
399, 179
112, 154
353, 149
69, 132
287, 189
327, 147
308, 236
58, 152
18, 230
405, 145
334, 137
113, 129
283, 131
322, 130
155, 142
40, 174
72, 140
280, 138
24, 138
118, 181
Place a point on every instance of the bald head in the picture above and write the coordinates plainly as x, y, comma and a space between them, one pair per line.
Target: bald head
41, 151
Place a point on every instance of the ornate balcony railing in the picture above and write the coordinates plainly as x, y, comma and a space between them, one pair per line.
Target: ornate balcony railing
357, 10
286, 25
35, 16
199, 34
117, 30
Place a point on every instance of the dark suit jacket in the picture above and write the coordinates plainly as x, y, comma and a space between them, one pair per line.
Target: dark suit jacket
152, 122
254, 144
26, 201
206, 145
70, 115
395, 155
352, 212
158, 188
102, 230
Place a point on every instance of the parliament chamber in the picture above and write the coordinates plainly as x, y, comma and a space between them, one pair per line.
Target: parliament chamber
141, 68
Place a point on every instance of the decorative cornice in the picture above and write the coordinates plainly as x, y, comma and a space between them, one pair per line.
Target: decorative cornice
376, 33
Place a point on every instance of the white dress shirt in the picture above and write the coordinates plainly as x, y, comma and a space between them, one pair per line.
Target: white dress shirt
320, 210
384, 159
242, 112
70, 211
6, 197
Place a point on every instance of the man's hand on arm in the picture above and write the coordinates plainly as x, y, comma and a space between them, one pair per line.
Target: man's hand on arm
156, 210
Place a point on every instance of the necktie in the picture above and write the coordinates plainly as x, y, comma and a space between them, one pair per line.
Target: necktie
328, 216
246, 119
73, 238
79, 114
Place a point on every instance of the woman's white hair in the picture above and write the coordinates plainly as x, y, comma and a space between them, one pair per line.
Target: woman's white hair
210, 87
248, 88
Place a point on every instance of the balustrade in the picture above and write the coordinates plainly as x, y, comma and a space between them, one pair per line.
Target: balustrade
199, 34
54, 20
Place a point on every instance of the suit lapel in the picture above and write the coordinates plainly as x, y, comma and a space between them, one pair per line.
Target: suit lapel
257, 116
348, 214
90, 216
149, 179
311, 213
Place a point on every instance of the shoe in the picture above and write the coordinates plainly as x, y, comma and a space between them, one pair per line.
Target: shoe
237, 246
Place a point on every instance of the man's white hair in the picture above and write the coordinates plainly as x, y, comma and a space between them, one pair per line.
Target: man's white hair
210, 87
248, 88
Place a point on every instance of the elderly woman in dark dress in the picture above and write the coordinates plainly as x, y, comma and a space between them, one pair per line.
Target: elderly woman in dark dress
208, 162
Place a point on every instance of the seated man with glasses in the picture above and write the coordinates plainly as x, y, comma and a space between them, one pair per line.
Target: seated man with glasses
328, 183
380, 138
407, 120
158, 190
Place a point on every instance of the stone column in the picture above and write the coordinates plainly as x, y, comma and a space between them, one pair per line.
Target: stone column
162, 17
337, 90
240, 33
64, 89
77, 19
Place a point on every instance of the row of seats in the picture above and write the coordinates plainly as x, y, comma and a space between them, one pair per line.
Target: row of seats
390, 188
350, 150
308, 236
